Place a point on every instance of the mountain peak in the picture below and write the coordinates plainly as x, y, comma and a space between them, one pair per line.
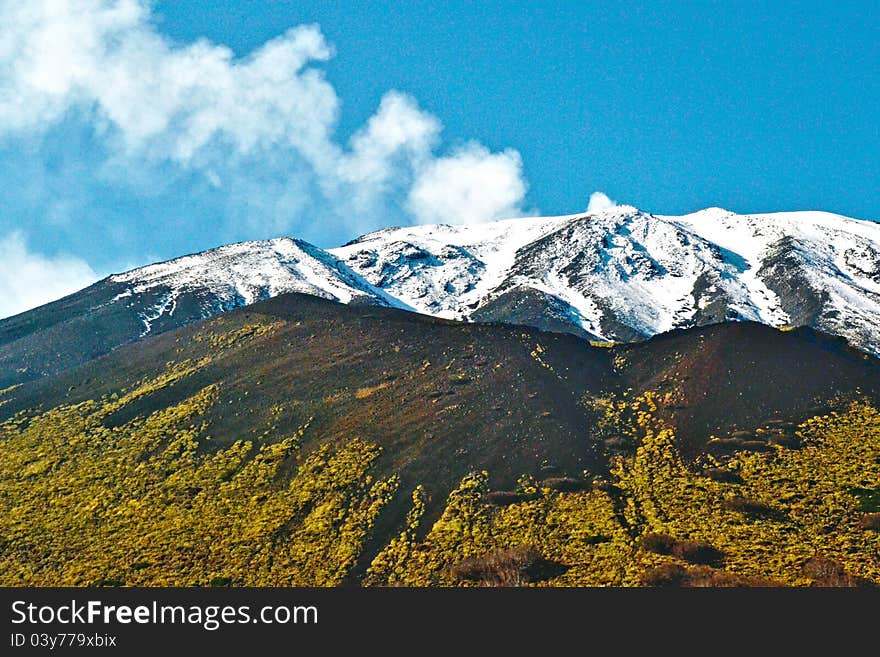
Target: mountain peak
617, 274
242, 273
621, 273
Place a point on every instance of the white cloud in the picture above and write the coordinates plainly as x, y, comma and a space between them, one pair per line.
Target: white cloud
106, 55
29, 279
398, 127
397, 140
197, 105
207, 146
469, 186
600, 201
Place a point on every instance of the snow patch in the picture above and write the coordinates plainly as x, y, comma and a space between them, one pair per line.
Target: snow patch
621, 271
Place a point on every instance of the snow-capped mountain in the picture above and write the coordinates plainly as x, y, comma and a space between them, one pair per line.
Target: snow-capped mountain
240, 274
620, 274
625, 274
158, 298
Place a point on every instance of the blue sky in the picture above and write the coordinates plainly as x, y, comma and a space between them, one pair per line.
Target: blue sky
132, 131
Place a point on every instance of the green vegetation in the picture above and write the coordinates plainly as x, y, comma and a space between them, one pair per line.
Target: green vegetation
578, 531
156, 501
152, 503
603, 344
660, 517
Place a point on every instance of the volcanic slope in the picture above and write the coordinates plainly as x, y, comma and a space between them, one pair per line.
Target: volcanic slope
300, 441
127, 307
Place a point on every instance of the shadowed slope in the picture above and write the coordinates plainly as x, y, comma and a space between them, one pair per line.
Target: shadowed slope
444, 398
736, 376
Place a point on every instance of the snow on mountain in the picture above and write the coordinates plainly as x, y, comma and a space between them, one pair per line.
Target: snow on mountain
624, 274
822, 269
618, 274
442, 270
240, 274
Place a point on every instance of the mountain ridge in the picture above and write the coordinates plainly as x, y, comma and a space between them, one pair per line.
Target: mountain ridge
616, 275
623, 274
126, 307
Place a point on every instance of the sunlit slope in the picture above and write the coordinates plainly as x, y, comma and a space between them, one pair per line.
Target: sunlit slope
305, 442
